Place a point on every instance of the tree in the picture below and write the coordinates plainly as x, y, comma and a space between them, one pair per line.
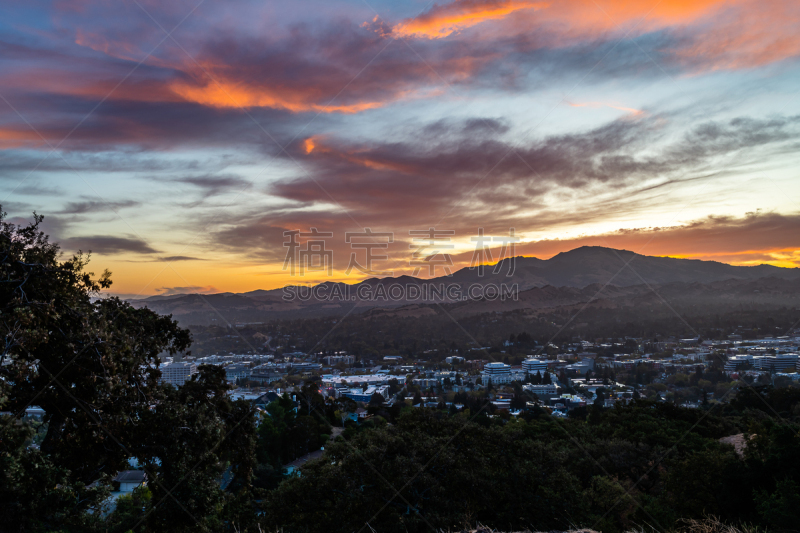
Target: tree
92, 365
417, 399
376, 399
518, 402
599, 401
547, 380
394, 387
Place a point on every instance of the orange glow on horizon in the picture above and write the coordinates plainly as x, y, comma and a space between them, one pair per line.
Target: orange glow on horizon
150, 278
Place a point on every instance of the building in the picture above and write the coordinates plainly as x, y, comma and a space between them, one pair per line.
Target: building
365, 395
331, 360
127, 480
775, 363
581, 367
496, 369
454, 360
306, 367
237, 371
264, 376
426, 383
300, 461
736, 361
541, 389
533, 366
177, 373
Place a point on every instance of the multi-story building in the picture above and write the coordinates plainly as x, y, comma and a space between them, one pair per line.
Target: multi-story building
497, 373
541, 389
496, 369
305, 367
426, 383
337, 359
365, 395
737, 361
533, 366
177, 373
775, 363
237, 371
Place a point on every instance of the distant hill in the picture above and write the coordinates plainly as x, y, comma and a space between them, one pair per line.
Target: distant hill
595, 264
565, 279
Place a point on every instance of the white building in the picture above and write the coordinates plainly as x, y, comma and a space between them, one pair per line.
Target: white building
130, 479
497, 369
365, 395
498, 373
734, 362
533, 366
541, 389
177, 373
777, 363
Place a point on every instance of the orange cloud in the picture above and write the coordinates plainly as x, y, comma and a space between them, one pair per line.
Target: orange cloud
442, 21
13, 138
313, 144
718, 34
713, 34
225, 94
754, 35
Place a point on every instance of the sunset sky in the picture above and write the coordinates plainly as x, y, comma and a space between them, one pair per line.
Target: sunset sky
179, 140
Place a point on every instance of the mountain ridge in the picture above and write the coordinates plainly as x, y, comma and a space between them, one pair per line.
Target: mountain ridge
603, 261
570, 278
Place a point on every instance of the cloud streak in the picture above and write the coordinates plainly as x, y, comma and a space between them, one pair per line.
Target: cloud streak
444, 20
108, 244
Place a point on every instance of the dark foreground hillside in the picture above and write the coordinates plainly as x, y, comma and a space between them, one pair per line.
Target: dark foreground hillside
611, 470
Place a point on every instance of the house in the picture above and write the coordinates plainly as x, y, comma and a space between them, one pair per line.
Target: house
127, 480
300, 461
266, 399
361, 413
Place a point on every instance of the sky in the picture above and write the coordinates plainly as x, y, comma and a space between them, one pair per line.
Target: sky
186, 143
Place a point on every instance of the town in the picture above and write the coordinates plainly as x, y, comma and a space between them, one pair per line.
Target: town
560, 379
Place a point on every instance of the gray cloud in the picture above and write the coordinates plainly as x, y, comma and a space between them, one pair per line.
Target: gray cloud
108, 244
94, 206
212, 185
174, 258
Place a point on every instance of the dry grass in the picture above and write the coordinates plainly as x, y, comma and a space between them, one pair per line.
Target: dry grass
712, 524
709, 524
